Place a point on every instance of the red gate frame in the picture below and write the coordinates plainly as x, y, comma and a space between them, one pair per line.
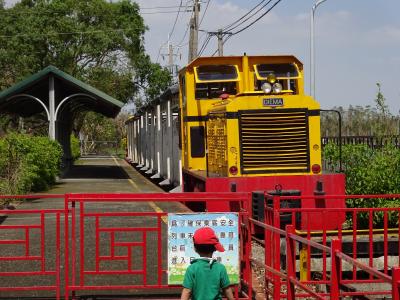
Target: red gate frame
72, 201
45, 270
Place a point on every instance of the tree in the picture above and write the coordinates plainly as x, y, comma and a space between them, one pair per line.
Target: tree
97, 41
384, 125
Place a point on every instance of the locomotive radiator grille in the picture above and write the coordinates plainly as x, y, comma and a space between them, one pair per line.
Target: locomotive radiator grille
274, 141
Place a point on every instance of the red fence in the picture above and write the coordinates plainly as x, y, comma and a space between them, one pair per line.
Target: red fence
21, 257
363, 252
110, 243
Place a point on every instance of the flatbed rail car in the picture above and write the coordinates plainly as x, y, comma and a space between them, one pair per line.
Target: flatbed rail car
245, 124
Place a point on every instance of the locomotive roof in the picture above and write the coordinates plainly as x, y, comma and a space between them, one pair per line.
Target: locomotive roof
204, 59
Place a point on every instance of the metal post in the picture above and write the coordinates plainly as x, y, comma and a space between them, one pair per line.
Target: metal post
52, 123
336, 245
276, 247
340, 135
290, 262
312, 50
395, 283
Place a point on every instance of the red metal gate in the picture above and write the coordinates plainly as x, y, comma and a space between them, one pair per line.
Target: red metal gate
106, 245
106, 248
111, 251
24, 248
293, 256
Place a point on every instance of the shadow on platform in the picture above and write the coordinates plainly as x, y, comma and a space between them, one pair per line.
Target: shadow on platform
95, 172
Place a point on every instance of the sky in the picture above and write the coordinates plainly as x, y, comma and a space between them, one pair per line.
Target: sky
357, 42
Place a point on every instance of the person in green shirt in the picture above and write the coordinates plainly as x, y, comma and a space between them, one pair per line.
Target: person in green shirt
205, 277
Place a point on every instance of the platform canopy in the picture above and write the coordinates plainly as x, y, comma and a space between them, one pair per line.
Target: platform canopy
60, 96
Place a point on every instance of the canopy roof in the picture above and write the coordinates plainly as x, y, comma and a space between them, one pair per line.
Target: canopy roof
78, 96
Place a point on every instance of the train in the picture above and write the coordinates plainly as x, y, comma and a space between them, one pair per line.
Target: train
236, 124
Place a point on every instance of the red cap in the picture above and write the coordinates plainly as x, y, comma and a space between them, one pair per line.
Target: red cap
206, 236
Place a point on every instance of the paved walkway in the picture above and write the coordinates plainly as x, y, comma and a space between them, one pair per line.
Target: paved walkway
89, 175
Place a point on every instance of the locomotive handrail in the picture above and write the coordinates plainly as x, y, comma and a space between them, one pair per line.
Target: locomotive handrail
340, 135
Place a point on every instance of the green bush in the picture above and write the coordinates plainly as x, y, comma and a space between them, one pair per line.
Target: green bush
369, 171
28, 163
75, 147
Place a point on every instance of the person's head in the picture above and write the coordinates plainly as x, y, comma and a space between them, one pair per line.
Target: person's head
206, 242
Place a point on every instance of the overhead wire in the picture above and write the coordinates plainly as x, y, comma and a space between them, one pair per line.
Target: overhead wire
205, 11
223, 43
241, 18
252, 23
259, 18
204, 46
251, 13
249, 17
10, 12
159, 51
160, 7
176, 19
186, 31
180, 44
62, 33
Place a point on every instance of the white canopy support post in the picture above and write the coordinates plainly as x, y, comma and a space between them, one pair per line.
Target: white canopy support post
52, 121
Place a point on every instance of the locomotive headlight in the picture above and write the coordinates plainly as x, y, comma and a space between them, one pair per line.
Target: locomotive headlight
271, 78
266, 87
277, 88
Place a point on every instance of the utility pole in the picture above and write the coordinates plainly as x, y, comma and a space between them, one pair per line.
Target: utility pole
172, 67
170, 56
220, 36
194, 31
220, 43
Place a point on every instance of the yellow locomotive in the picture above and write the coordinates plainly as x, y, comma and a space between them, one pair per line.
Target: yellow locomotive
246, 125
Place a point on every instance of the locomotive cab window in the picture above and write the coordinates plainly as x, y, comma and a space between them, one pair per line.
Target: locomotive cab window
276, 78
214, 80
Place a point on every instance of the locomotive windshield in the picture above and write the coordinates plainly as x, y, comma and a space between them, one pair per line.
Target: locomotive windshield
279, 70
214, 80
216, 73
285, 75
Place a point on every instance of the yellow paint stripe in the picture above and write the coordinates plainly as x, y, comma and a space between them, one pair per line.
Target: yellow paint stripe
129, 180
152, 204
159, 210
116, 161
134, 185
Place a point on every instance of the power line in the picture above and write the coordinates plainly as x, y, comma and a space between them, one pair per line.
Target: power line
164, 12
221, 33
186, 31
62, 33
204, 46
252, 15
205, 11
184, 36
227, 27
228, 37
176, 19
13, 12
159, 50
259, 18
161, 7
